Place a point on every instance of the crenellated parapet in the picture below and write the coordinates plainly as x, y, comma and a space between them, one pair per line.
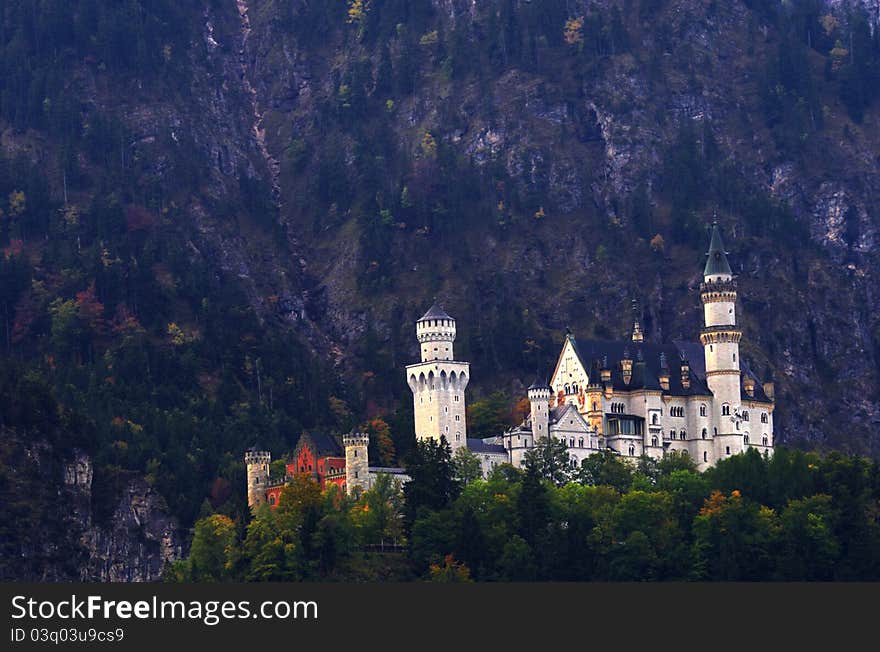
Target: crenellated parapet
720, 335
718, 291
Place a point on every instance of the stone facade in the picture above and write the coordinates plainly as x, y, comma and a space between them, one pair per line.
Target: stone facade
357, 467
438, 382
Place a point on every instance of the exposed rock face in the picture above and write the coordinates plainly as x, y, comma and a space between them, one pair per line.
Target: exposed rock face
64, 541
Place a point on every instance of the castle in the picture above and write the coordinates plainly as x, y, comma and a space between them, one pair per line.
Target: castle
633, 397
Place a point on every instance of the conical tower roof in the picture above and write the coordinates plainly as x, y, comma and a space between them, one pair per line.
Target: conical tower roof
539, 384
435, 312
717, 261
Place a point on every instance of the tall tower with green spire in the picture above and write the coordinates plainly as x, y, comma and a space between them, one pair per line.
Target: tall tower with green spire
720, 339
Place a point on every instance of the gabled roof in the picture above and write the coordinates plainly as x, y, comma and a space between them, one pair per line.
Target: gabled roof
435, 312
717, 261
322, 445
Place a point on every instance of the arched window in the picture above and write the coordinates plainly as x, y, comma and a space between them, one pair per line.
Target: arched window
725, 410
595, 407
763, 417
682, 435
654, 419
764, 440
745, 415
703, 410
715, 431
653, 441
705, 456
632, 451
568, 389
672, 434
571, 442
272, 499
704, 433
580, 442
746, 439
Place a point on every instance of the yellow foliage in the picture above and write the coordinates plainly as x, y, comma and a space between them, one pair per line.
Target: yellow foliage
573, 33
429, 38
429, 145
178, 337
357, 11
17, 203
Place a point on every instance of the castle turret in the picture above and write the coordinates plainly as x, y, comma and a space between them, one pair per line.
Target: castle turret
257, 463
637, 335
663, 376
438, 382
539, 398
720, 339
357, 466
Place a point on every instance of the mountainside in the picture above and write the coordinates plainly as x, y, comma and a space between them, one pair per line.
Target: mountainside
220, 219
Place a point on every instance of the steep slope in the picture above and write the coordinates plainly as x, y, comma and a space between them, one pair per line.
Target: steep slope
219, 220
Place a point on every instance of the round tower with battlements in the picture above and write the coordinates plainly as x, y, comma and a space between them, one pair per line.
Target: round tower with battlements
539, 399
357, 466
257, 463
720, 338
438, 382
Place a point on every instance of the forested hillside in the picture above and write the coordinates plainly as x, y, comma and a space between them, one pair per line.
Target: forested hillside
219, 220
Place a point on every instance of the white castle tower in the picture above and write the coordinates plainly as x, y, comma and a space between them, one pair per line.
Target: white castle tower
720, 339
257, 463
357, 467
438, 381
539, 399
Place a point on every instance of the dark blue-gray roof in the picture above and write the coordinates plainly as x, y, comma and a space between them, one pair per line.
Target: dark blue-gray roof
322, 445
646, 370
479, 446
435, 312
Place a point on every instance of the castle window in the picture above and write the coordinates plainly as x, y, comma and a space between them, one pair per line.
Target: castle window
446, 408
653, 441
745, 415
682, 435
632, 451
704, 433
272, 499
746, 439
581, 442
355, 475
456, 398
725, 410
355, 453
458, 417
764, 440
727, 449
256, 481
672, 434
705, 456
715, 431
763, 417
594, 406
654, 419
571, 442
734, 357
702, 410
711, 348
458, 436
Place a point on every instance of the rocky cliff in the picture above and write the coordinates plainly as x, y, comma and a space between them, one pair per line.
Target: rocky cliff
53, 534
